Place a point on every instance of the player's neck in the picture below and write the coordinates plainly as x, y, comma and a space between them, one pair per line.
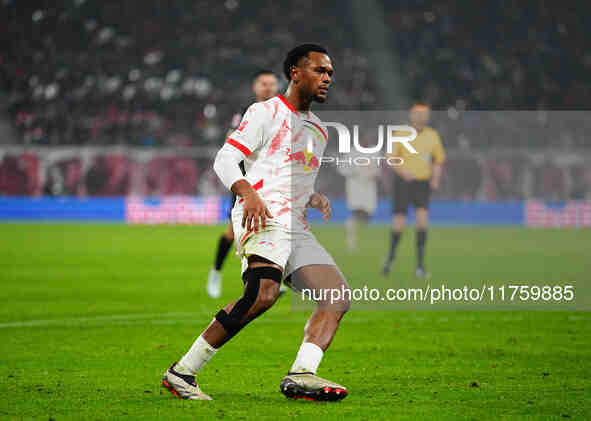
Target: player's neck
297, 100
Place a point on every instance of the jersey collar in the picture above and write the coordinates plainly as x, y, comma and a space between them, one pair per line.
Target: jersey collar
288, 105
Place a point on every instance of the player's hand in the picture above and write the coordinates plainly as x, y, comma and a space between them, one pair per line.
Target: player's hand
434, 184
320, 202
407, 176
255, 213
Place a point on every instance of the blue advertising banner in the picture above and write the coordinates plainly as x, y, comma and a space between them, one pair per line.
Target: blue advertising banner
62, 209
441, 212
214, 209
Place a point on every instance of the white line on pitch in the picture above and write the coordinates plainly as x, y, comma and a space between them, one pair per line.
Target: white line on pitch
172, 318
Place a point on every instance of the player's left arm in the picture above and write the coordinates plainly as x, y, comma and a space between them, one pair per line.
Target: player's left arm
322, 203
318, 200
438, 160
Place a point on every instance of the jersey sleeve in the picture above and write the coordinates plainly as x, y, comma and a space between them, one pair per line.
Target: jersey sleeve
248, 136
438, 152
227, 165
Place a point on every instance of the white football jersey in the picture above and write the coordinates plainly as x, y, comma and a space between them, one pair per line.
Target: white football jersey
283, 150
361, 174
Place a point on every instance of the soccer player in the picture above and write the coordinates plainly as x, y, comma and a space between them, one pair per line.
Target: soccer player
413, 182
281, 142
362, 195
264, 86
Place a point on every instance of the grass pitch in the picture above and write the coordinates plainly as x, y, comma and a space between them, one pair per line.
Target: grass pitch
92, 315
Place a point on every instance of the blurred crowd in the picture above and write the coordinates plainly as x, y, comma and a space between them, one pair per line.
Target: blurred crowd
152, 73
520, 55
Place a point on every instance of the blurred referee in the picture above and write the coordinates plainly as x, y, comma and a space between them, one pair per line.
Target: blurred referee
413, 181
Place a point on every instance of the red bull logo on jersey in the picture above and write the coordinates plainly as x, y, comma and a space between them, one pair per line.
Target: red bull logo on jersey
311, 138
304, 158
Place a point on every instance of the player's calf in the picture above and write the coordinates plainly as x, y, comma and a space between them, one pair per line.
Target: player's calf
258, 297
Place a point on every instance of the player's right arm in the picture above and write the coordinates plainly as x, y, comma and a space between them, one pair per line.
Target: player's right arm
247, 138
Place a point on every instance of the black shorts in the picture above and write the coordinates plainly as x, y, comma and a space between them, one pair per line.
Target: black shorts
416, 192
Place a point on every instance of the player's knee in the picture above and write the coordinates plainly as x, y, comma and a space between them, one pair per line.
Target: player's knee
336, 309
267, 296
345, 303
229, 235
268, 279
421, 219
342, 306
398, 222
338, 302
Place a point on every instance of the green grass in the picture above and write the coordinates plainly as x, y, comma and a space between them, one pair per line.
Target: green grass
92, 315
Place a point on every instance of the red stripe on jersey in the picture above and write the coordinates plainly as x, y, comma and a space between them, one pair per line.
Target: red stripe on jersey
258, 184
286, 102
238, 146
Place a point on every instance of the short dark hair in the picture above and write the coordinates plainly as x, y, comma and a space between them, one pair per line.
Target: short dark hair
420, 104
263, 72
294, 56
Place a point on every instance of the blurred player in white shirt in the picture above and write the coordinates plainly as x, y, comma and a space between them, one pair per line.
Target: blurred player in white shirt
361, 191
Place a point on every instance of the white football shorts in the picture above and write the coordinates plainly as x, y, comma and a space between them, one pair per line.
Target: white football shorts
290, 250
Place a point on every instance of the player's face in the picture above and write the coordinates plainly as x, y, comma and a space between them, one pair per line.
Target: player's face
314, 75
419, 116
265, 87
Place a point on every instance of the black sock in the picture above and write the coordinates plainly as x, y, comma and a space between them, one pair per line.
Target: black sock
421, 240
223, 248
393, 244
